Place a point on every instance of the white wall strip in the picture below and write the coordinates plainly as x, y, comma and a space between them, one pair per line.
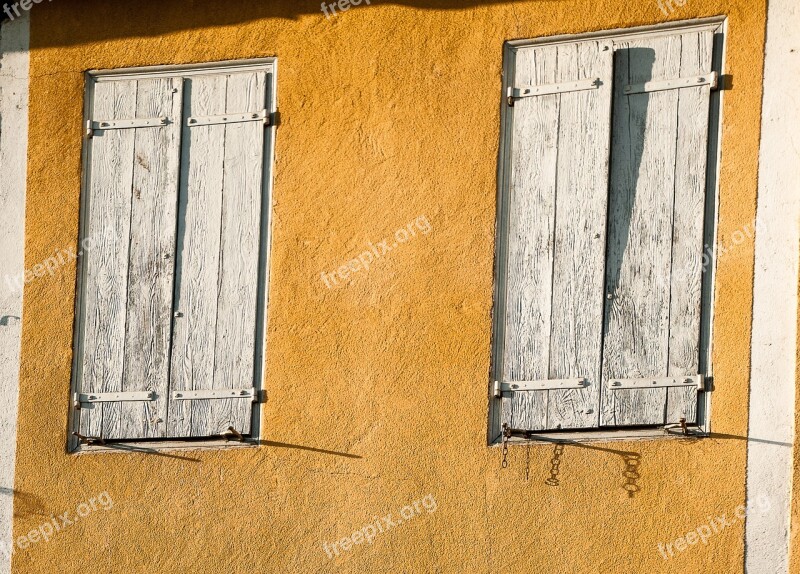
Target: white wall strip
772, 377
13, 170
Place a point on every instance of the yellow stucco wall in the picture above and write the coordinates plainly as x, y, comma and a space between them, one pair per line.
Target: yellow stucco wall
377, 389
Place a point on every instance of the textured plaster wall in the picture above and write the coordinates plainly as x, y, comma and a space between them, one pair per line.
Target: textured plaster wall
13, 151
773, 383
378, 389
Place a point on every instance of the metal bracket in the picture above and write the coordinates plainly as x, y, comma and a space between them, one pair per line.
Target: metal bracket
89, 440
688, 381
262, 116
92, 126
233, 434
711, 78
544, 385
211, 394
89, 398
529, 91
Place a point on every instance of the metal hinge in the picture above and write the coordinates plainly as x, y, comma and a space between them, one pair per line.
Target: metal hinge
543, 385
652, 383
711, 78
93, 126
262, 116
215, 394
529, 91
80, 399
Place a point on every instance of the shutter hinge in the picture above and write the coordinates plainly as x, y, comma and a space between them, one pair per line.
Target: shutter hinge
262, 116
543, 385
92, 126
80, 399
529, 91
654, 383
711, 79
215, 394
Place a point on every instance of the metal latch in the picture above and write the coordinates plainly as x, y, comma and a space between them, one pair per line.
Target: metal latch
654, 383
262, 116
711, 78
542, 385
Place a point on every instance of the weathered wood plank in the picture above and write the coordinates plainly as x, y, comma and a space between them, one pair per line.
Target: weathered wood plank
108, 229
687, 236
241, 227
580, 232
530, 238
198, 254
640, 231
152, 252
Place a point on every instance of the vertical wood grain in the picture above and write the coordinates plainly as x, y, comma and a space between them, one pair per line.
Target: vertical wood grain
151, 262
640, 231
580, 232
239, 254
198, 250
687, 236
108, 231
531, 221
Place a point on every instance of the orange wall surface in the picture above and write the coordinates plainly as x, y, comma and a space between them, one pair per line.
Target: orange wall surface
378, 388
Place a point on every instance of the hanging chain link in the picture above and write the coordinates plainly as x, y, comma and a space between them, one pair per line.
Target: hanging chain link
506, 434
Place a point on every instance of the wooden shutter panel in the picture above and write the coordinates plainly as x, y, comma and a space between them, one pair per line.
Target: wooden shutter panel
555, 240
655, 241
219, 241
129, 223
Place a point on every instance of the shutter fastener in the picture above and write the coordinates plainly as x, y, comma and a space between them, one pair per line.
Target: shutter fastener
89, 440
233, 434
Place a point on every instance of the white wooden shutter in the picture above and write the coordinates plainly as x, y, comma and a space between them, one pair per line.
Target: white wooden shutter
655, 235
556, 203
219, 241
128, 258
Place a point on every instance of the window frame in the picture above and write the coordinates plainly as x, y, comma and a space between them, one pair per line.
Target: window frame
270, 67
718, 26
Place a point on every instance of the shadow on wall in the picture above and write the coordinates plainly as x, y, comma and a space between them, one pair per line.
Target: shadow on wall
25, 504
151, 18
631, 461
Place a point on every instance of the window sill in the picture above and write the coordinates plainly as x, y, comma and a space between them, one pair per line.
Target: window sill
603, 435
158, 447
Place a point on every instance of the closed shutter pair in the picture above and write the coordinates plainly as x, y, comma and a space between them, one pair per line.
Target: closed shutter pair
174, 220
602, 232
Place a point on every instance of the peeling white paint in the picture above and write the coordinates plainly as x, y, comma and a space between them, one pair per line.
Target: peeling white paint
772, 377
14, 61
